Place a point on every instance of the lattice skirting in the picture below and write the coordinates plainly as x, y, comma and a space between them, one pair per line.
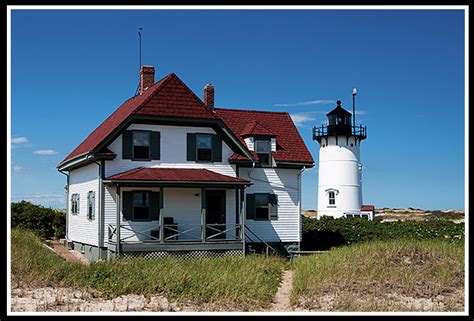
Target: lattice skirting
184, 254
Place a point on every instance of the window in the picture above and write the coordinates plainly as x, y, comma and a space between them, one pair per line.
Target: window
332, 198
141, 145
141, 206
263, 148
204, 147
75, 204
91, 205
261, 206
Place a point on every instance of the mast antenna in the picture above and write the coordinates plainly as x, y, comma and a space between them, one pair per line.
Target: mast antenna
140, 59
140, 44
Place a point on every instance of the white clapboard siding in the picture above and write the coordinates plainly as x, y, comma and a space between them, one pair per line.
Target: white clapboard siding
80, 228
285, 184
183, 204
173, 151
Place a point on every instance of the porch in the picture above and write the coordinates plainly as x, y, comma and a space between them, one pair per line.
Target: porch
202, 213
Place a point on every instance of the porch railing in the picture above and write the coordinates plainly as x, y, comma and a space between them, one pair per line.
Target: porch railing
176, 233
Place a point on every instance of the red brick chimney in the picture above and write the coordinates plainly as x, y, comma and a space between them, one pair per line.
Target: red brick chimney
209, 96
147, 78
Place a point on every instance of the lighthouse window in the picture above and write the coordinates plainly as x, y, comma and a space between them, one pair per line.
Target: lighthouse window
332, 198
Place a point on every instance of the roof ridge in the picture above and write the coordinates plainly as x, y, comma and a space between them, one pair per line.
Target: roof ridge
252, 110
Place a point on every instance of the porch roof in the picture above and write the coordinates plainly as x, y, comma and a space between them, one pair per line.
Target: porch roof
182, 176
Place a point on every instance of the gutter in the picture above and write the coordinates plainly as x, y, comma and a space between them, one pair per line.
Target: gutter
300, 194
108, 181
101, 206
75, 161
67, 204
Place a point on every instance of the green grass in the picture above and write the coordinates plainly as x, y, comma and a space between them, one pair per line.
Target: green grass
379, 276
245, 282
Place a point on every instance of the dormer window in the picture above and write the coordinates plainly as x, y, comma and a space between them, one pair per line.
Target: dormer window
263, 148
141, 145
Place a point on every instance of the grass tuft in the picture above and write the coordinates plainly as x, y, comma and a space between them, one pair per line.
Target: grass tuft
235, 282
399, 275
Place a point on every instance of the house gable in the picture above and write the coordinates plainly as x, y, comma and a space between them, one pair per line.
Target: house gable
169, 100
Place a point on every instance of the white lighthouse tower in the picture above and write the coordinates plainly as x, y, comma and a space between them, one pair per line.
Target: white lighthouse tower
340, 168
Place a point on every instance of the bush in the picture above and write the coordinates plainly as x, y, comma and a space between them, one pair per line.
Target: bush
328, 232
45, 222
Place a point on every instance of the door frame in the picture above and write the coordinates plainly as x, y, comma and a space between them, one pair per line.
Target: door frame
223, 217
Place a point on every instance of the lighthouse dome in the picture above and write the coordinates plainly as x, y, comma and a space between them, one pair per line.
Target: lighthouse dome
339, 121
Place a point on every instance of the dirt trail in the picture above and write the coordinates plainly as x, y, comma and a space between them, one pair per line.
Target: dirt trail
69, 255
281, 301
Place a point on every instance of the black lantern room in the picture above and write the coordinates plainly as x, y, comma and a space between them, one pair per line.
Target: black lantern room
339, 121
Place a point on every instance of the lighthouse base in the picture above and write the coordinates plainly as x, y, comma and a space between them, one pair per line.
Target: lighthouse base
350, 213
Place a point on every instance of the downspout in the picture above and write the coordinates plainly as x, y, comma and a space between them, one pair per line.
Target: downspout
101, 209
67, 206
300, 232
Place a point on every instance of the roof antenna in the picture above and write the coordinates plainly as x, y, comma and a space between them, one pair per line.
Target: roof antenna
140, 58
140, 44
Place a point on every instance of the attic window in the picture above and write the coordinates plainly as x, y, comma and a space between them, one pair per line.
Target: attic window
263, 149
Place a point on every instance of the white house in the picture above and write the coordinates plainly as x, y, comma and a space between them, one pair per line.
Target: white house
167, 172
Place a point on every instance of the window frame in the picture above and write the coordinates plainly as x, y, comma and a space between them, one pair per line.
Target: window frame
75, 204
149, 206
268, 140
133, 145
267, 206
90, 206
333, 198
197, 135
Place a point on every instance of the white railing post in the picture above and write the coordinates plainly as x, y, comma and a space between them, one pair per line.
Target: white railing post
203, 215
162, 219
117, 221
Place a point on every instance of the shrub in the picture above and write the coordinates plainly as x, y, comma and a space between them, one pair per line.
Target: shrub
45, 222
328, 232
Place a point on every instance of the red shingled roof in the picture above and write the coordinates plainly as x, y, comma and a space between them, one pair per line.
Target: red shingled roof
168, 97
290, 145
367, 208
254, 128
175, 175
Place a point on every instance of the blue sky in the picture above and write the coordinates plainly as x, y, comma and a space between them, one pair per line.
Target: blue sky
73, 68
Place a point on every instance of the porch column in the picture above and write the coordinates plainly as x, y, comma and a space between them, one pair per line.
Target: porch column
203, 215
117, 221
242, 218
162, 220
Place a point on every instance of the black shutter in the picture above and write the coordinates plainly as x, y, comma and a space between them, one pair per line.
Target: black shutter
191, 147
154, 206
273, 207
127, 206
127, 144
250, 207
155, 145
217, 148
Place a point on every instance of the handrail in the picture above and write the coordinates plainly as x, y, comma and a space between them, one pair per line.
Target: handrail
234, 227
323, 131
188, 229
258, 238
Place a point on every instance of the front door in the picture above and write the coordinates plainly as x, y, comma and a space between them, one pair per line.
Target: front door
215, 214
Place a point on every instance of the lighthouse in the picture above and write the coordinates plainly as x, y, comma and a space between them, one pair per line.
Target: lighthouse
340, 167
